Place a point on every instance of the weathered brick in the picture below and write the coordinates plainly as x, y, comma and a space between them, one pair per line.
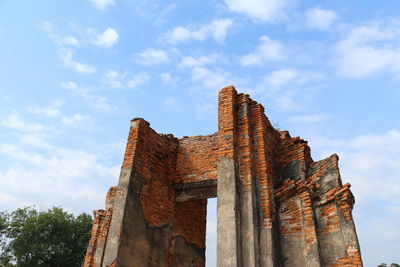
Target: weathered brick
303, 203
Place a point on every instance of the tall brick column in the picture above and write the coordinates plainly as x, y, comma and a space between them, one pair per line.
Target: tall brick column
228, 228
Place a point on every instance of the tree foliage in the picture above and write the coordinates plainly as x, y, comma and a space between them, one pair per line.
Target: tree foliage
52, 238
391, 265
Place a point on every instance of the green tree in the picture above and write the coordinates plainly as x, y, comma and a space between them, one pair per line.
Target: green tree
391, 265
52, 238
5, 255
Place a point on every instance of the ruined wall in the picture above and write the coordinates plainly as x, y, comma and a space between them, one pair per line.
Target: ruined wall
276, 206
197, 159
101, 224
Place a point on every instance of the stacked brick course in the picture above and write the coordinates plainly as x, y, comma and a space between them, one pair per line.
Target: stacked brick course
287, 210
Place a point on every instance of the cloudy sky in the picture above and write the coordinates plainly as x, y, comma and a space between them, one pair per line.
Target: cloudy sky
73, 73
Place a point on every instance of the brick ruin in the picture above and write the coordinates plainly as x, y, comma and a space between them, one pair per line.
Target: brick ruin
275, 205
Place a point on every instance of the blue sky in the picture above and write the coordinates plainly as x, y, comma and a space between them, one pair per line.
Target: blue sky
73, 73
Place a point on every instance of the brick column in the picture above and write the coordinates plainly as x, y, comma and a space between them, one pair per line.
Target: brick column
228, 246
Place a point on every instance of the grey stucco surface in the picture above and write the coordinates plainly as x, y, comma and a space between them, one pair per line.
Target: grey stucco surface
228, 251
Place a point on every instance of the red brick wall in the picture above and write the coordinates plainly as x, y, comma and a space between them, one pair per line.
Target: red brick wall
291, 149
352, 259
265, 141
101, 223
226, 122
244, 145
197, 159
154, 158
190, 221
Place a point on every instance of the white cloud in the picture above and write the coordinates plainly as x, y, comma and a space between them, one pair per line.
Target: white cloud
66, 57
69, 85
60, 176
51, 30
212, 80
75, 120
138, 80
172, 103
280, 78
278, 86
95, 101
217, 29
103, 4
198, 61
264, 10
106, 39
287, 101
369, 49
51, 110
15, 121
311, 118
370, 162
152, 56
114, 79
166, 78
35, 140
320, 19
268, 50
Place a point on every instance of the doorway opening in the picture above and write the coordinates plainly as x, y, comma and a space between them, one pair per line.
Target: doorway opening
211, 233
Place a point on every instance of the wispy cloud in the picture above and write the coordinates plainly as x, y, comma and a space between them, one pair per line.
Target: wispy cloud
172, 103
189, 61
151, 56
367, 159
216, 29
138, 80
264, 10
280, 78
76, 119
35, 140
114, 79
15, 121
369, 49
106, 39
51, 30
102, 4
59, 170
95, 101
66, 57
278, 85
51, 110
211, 79
267, 50
310, 118
168, 78
320, 19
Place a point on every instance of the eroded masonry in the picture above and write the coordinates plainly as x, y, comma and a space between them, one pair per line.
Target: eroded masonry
276, 206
